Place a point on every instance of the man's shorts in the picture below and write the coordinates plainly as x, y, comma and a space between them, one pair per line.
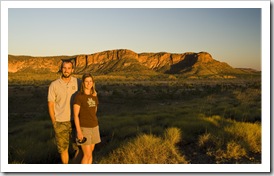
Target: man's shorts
92, 135
62, 135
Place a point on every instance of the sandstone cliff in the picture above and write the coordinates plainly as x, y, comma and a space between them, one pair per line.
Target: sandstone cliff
126, 61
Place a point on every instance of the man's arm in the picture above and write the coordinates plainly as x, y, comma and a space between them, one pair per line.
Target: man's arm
51, 111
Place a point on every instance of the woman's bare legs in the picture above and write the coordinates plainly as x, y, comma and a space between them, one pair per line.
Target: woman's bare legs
87, 151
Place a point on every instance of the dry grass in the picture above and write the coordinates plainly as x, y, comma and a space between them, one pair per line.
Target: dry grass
248, 133
204, 139
230, 140
134, 117
149, 149
234, 150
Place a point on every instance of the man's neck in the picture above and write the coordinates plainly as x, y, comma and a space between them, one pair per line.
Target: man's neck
66, 79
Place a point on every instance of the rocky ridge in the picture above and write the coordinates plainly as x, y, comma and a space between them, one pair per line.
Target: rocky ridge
126, 61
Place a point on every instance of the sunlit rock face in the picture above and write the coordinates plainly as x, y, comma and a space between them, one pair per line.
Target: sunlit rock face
124, 60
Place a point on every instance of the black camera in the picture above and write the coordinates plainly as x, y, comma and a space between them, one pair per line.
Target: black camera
82, 141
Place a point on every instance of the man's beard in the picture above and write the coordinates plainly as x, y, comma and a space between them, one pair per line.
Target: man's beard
66, 76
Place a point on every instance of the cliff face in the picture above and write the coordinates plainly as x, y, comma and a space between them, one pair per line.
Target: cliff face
34, 64
124, 61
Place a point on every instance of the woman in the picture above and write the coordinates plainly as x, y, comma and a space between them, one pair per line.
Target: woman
85, 118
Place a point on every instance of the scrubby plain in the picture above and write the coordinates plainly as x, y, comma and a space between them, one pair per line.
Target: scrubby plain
157, 119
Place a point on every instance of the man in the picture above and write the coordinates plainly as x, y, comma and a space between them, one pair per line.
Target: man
60, 98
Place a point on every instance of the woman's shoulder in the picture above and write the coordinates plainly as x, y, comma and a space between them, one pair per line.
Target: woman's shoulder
94, 94
79, 94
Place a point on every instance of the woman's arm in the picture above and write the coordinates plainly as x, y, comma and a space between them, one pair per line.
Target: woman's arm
96, 100
76, 109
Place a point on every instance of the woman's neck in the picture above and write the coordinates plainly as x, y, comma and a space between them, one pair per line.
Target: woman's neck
87, 91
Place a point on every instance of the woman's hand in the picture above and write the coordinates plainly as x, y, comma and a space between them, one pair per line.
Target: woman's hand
80, 136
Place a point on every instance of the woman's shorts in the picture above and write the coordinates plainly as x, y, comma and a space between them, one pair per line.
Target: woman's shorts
92, 135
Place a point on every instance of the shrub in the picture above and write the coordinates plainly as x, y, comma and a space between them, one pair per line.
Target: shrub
248, 133
234, 150
203, 139
148, 149
172, 135
230, 140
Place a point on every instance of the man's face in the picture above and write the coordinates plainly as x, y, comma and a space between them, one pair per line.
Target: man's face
67, 69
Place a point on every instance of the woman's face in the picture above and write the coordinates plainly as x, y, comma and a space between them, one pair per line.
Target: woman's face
88, 83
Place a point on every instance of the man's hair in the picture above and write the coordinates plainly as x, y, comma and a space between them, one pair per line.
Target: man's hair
72, 61
67, 61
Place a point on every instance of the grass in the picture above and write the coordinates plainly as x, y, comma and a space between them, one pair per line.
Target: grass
149, 149
184, 121
247, 133
26, 145
223, 139
228, 140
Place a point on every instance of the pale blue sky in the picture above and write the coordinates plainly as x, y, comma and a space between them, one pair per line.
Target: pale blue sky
229, 35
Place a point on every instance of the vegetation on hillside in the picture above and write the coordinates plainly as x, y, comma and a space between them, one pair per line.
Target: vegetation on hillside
146, 119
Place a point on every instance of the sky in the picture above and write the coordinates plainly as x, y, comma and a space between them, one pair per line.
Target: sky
231, 35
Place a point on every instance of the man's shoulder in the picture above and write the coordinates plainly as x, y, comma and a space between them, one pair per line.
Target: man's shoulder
59, 81
74, 79
55, 81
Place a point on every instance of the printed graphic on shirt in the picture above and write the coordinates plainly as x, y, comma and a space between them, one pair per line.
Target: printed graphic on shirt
91, 102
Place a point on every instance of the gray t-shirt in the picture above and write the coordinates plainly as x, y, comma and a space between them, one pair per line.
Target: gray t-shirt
62, 94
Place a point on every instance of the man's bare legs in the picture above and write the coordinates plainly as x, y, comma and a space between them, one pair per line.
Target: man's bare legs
65, 156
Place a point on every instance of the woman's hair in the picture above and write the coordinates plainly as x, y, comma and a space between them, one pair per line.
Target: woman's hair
87, 75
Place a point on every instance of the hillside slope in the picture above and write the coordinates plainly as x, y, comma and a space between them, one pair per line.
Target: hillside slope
125, 61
